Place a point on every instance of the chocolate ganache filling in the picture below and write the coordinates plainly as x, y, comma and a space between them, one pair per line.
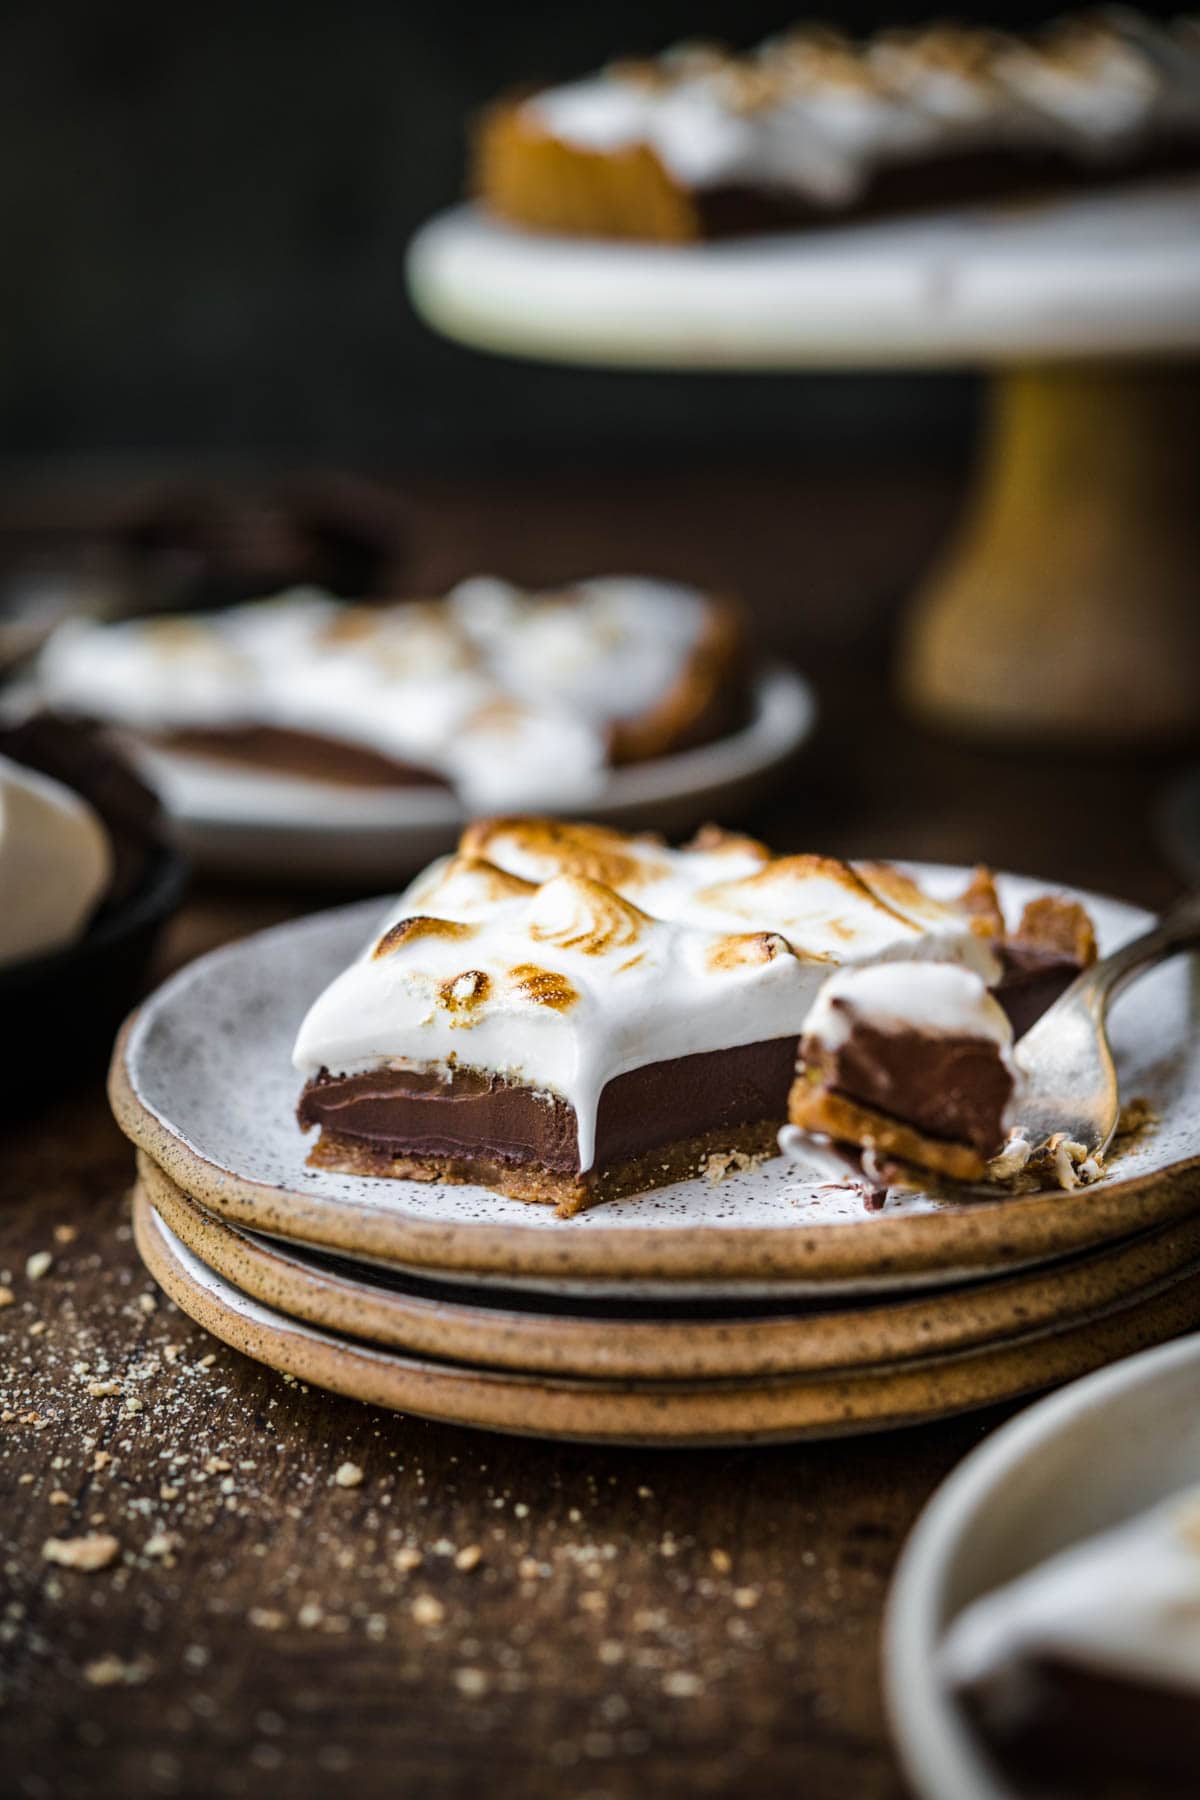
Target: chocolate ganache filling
456, 1112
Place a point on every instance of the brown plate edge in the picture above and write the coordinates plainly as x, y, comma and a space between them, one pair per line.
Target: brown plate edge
719, 1413
948, 1322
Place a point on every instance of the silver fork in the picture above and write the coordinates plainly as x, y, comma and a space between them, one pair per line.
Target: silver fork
1067, 1081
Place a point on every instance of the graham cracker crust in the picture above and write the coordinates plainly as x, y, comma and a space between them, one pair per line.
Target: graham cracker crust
820, 1109
567, 1193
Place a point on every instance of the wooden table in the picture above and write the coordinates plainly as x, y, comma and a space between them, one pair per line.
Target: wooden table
479, 1613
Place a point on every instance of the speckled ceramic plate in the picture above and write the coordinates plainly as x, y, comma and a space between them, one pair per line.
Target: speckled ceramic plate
815, 1405
659, 1340
202, 1081
1102, 1451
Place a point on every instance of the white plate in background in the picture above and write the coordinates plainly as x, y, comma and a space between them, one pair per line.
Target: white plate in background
1100, 1451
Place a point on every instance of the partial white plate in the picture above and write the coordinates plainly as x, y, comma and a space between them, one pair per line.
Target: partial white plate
254, 823
204, 1083
1097, 274
1102, 1450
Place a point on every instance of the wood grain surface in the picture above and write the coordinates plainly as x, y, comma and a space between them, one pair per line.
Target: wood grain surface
457, 1613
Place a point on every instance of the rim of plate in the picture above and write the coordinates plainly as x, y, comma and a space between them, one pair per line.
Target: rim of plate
781, 1408
204, 792
937, 1748
969, 1236
490, 1328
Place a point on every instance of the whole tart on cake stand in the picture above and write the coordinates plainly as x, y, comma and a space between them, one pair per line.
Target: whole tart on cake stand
1066, 603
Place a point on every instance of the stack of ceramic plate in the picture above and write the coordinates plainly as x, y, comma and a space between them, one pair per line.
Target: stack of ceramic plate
762, 1306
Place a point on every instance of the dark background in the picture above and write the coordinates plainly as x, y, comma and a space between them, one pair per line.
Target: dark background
205, 209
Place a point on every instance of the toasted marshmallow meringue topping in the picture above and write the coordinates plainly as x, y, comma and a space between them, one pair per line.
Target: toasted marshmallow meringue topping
942, 999
561, 956
1126, 1603
55, 863
816, 114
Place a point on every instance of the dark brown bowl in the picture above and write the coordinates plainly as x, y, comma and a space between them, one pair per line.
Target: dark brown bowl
61, 1011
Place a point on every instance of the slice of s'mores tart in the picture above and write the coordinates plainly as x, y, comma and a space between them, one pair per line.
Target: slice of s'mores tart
913, 1062
566, 1013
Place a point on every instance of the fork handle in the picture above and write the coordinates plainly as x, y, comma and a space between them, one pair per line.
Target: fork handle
1179, 930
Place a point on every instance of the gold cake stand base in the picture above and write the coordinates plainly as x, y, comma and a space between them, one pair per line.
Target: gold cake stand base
1068, 604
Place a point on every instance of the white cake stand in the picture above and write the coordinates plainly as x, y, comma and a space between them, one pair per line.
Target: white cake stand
1070, 602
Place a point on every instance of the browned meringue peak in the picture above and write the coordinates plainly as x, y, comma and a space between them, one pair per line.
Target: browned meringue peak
465, 993
744, 949
908, 898
1085, 44
467, 883
829, 910
192, 640
714, 840
691, 60
966, 52
543, 848
421, 925
577, 913
542, 987
785, 875
814, 56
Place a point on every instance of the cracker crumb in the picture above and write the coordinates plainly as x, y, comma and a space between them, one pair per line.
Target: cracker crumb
112, 1671
99, 1390
163, 1543
60, 1497
469, 1557
407, 1558
267, 1618
472, 1682
746, 1597
38, 1264
428, 1610
680, 1684
349, 1475
95, 1551
65, 1234
721, 1561
6, 1296
310, 1615
1136, 1116
723, 1163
